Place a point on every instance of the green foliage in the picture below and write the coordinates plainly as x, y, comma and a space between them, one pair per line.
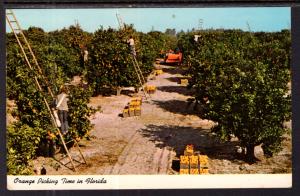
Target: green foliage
245, 77
147, 52
29, 134
162, 42
79, 111
22, 142
49, 56
111, 64
73, 40
110, 61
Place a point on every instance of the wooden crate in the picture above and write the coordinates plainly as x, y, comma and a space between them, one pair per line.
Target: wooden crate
194, 171
125, 113
203, 161
137, 111
194, 163
189, 150
158, 72
131, 111
183, 171
134, 103
184, 162
138, 100
203, 171
184, 159
184, 81
150, 89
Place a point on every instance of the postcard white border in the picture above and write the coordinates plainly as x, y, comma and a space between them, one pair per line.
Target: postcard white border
105, 182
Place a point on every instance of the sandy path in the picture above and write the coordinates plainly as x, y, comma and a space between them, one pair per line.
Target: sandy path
152, 142
136, 145
140, 154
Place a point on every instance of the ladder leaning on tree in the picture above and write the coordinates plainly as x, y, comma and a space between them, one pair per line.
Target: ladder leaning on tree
33, 66
139, 73
135, 63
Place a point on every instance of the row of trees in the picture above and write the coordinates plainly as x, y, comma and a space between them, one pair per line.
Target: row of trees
59, 58
60, 54
244, 77
110, 63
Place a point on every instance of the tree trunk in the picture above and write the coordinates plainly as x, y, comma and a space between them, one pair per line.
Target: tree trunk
136, 89
119, 89
250, 156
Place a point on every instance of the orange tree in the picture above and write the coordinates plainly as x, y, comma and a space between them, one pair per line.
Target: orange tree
111, 64
29, 134
74, 40
245, 79
162, 42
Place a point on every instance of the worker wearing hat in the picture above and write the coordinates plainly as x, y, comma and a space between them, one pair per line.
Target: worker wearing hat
62, 107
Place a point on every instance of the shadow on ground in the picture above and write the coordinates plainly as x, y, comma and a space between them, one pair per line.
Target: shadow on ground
176, 89
177, 106
107, 91
177, 137
174, 70
177, 79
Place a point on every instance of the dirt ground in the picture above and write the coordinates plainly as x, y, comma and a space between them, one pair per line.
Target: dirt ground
152, 143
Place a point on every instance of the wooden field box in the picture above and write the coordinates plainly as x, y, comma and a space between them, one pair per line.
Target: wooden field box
137, 99
194, 171
184, 82
184, 171
131, 111
134, 103
203, 170
150, 89
137, 111
158, 72
203, 161
184, 162
189, 150
194, 162
125, 112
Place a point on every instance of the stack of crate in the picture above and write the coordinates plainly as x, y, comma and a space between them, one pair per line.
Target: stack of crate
184, 82
191, 163
185, 160
150, 89
133, 108
158, 72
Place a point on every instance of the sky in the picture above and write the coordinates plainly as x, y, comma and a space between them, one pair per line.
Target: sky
268, 19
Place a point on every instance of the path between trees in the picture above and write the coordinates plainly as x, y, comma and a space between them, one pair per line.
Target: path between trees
153, 142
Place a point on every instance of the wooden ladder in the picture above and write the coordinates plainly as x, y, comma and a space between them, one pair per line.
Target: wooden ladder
134, 61
33, 65
140, 76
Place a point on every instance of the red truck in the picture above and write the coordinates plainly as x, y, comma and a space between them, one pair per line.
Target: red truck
173, 57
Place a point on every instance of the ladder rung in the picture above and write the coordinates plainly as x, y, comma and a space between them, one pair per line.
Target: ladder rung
69, 141
12, 21
9, 13
74, 161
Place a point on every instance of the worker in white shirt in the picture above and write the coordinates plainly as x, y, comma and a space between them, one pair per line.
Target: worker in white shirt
85, 55
131, 45
62, 107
